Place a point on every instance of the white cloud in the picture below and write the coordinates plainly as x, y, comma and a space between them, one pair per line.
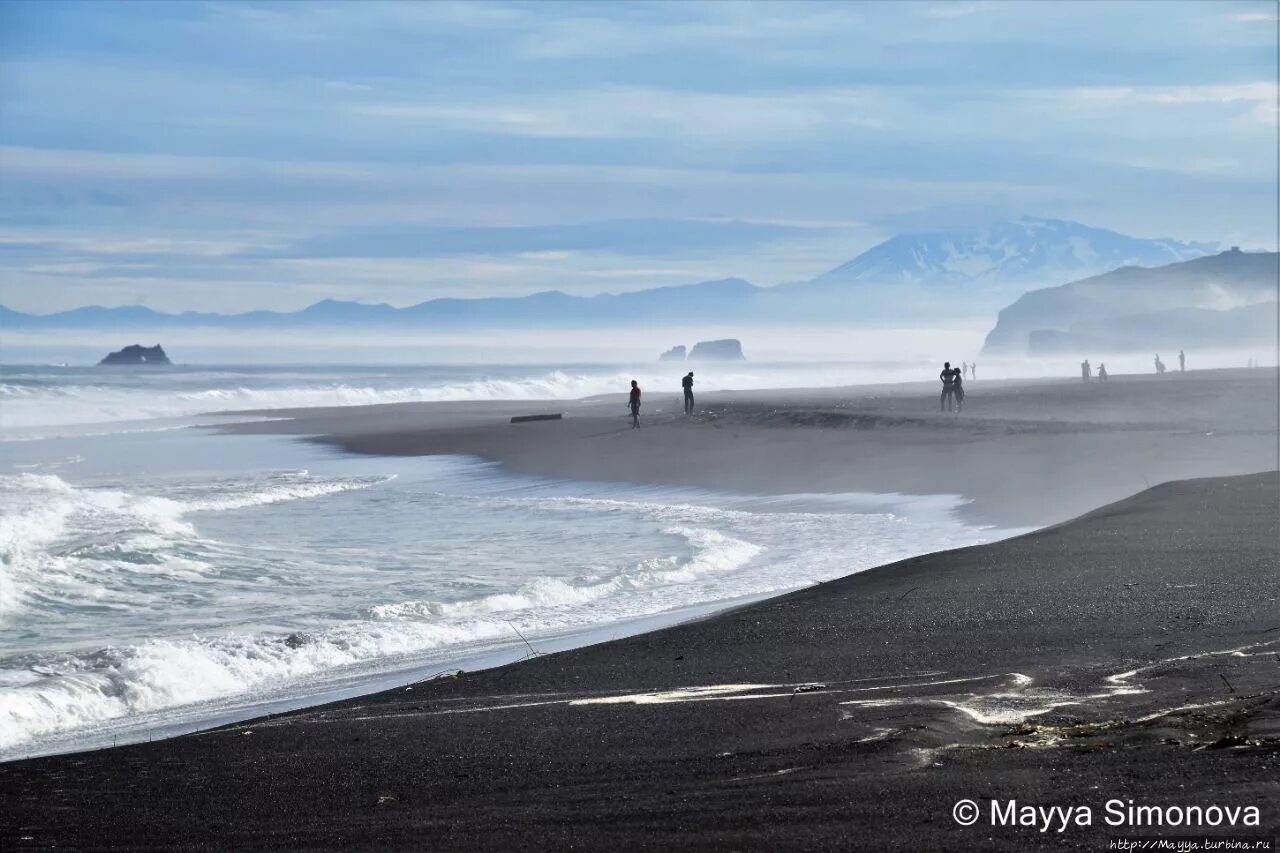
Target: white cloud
1256, 17
346, 86
640, 112
958, 10
1196, 94
134, 246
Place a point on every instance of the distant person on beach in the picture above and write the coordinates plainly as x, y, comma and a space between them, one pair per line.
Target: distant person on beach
687, 384
634, 404
948, 377
964, 368
1182, 362
1102, 372
1085, 370
973, 370
1159, 364
957, 390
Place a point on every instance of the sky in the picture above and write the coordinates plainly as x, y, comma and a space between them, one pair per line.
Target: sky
227, 156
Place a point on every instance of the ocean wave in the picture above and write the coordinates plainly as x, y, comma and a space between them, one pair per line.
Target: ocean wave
74, 691
24, 407
713, 552
138, 533
71, 400
163, 674
285, 492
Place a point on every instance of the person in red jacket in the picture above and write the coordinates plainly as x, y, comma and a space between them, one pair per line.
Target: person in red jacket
634, 404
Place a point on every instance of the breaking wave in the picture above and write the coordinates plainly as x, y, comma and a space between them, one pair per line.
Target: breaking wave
72, 691
35, 399
139, 533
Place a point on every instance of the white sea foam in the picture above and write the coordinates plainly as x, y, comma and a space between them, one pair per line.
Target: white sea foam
24, 407
161, 674
713, 552
188, 591
85, 398
40, 510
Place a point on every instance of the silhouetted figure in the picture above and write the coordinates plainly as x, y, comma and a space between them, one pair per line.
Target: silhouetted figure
1085, 370
1102, 373
634, 404
957, 389
973, 370
687, 384
1159, 364
1182, 362
948, 377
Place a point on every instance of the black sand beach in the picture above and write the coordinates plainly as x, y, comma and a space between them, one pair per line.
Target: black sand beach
1132, 653
1028, 452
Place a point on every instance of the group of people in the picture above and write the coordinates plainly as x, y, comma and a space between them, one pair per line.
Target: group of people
952, 390
633, 402
1182, 363
1086, 371
953, 385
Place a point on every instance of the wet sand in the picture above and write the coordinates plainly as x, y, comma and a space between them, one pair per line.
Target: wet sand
1027, 452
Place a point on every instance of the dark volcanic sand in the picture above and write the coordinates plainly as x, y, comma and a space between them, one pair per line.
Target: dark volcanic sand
1028, 452
1132, 653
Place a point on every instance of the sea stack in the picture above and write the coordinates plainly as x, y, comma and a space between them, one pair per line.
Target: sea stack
729, 349
676, 353
138, 354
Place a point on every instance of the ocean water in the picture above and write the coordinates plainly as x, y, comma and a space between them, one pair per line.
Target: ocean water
41, 401
156, 576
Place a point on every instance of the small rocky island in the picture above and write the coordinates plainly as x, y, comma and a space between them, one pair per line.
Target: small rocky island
729, 349
137, 354
676, 353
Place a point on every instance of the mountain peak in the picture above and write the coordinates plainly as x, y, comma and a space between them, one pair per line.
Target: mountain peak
1030, 251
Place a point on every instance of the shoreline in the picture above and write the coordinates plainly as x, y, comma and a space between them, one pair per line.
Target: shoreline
337, 686
1127, 649
1026, 452
1119, 654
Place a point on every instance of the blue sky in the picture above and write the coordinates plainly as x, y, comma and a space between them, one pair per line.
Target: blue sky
229, 156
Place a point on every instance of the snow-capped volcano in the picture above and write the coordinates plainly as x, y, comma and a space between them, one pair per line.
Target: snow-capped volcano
1026, 252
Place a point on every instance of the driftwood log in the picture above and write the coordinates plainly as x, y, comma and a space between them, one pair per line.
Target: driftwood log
520, 419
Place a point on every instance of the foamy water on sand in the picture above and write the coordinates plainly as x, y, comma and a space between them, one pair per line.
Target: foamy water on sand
148, 577
43, 401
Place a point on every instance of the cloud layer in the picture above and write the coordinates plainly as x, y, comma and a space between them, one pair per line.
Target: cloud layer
232, 156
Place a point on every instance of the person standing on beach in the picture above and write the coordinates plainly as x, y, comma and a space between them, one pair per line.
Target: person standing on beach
1102, 372
1159, 364
687, 384
1182, 362
957, 390
964, 368
634, 404
948, 377
1085, 370
973, 370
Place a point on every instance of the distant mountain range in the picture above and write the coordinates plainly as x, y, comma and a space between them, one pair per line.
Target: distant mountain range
1028, 252
1224, 300
908, 276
